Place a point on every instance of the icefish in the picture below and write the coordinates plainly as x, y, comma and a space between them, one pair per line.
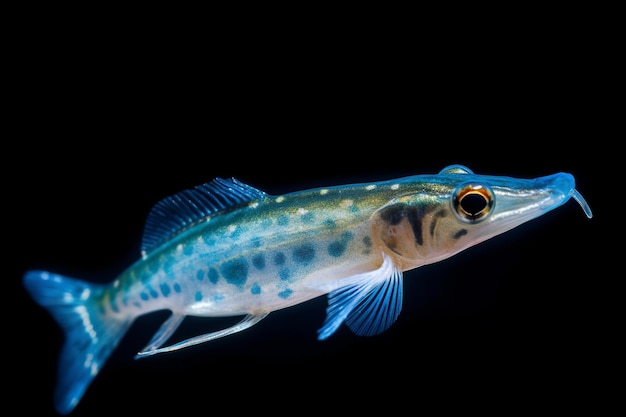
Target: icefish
227, 249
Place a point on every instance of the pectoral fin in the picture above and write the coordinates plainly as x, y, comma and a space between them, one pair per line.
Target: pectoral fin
369, 303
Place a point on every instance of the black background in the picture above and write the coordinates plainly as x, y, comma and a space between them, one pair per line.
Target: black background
104, 128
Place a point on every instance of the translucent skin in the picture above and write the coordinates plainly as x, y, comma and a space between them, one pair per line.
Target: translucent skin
248, 253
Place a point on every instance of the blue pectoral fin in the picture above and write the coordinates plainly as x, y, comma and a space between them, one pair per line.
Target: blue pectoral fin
90, 335
369, 303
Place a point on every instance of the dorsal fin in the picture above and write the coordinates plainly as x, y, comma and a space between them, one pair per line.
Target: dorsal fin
178, 212
456, 169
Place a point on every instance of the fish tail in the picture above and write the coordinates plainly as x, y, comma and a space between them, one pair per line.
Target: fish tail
90, 335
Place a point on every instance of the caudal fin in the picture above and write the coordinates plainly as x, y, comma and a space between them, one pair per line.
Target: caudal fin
90, 335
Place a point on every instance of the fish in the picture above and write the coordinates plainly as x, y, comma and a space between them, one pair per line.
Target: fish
227, 249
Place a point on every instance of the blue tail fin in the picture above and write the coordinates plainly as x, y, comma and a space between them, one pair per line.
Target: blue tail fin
90, 335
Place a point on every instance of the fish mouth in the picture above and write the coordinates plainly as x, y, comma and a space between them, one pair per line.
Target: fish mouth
529, 199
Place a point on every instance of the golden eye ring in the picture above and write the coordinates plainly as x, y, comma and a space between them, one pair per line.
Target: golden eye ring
472, 202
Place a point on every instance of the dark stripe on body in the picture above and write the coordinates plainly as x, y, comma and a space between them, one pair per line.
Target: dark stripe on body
439, 215
460, 233
415, 215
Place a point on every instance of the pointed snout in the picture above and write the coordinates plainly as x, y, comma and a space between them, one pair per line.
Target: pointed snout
522, 200
549, 192
559, 185
562, 185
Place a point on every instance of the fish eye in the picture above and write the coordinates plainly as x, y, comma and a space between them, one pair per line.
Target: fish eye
472, 202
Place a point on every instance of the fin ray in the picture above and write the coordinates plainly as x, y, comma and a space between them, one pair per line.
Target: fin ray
182, 210
379, 309
166, 330
90, 337
248, 321
368, 303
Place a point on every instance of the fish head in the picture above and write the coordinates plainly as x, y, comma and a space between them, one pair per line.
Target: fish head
441, 215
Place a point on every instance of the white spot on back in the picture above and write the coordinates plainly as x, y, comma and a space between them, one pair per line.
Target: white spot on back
324, 191
280, 199
179, 248
302, 211
395, 186
370, 187
346, 203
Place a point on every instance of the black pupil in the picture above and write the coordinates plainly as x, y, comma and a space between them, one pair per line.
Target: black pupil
473, 203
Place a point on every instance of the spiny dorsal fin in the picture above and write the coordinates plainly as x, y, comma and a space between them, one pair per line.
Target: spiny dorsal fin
182, 210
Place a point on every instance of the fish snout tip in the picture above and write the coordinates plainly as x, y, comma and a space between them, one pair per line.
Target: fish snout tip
564, 185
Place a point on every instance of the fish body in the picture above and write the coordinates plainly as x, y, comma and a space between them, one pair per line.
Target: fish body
228, 249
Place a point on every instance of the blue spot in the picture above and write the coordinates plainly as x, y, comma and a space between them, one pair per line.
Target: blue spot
200, 274
367, 241
144, 296
198, 296
304, 254
177, 288
236, 232
308, 217
256, 289
214, 276
282, 220
284, 274
235, 271
188, 250
153, 292
137, 304
330, 223
258, 261
257, 242
165, 290
336, 248
218, 297
209, 241
345, 236
279, 258
265, 223
285, 293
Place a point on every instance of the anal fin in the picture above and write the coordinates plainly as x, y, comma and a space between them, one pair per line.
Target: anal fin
166, 330
170, 325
